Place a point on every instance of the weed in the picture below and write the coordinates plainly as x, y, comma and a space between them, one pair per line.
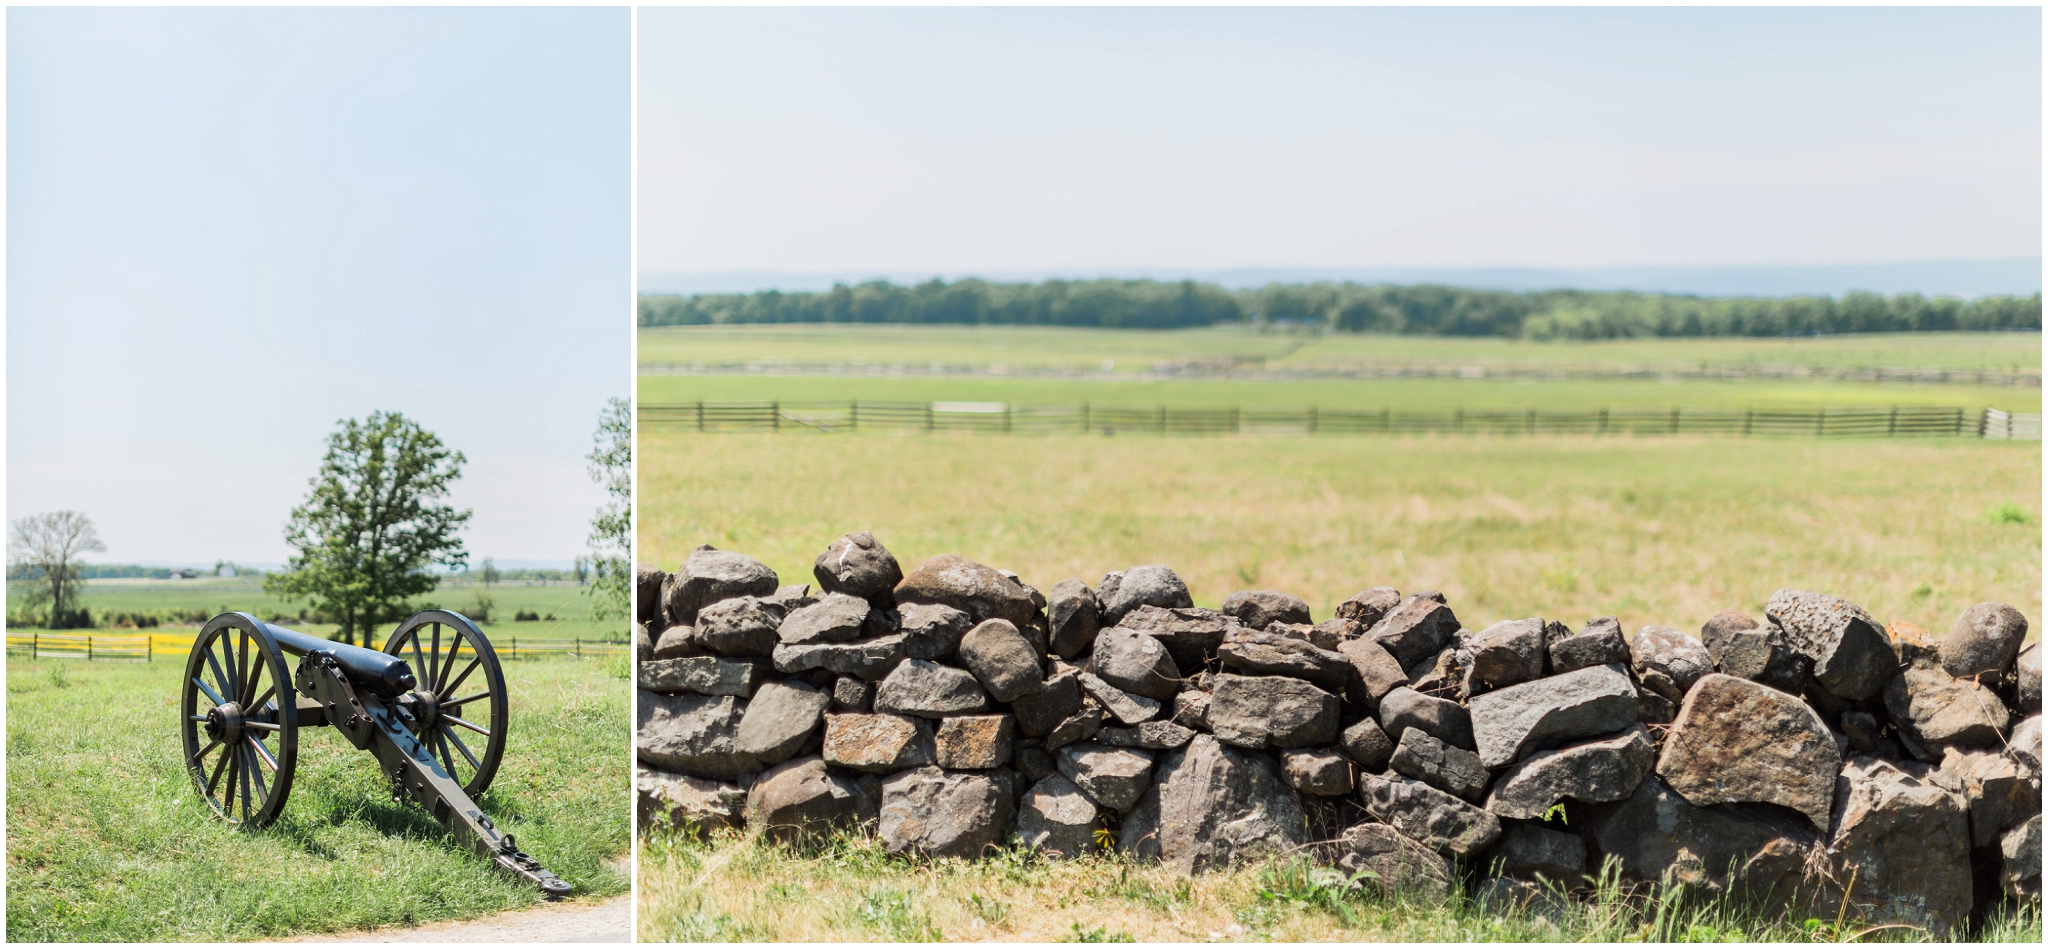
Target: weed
988, 910
59, 679
1096, 934
2007, 513
892, 914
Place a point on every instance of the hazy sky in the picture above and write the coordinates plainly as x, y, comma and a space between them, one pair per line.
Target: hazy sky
953, 140
229, 228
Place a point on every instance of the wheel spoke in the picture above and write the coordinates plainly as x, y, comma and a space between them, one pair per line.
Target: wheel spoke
419, 664
447, 760
265, 726
466, 670
256, 772
472, 727
201, 756
218, 767
210, 693
459, 746
244, 756
441, 679
434, 662
242, 669
227, 791
471, 698
265, 697
218, 676
262, 752
197, 718
249, 685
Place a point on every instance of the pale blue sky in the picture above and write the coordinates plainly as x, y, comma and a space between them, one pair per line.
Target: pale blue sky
1097, 140
228, 228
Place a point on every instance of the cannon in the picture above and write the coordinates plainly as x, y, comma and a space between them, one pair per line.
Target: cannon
243, 709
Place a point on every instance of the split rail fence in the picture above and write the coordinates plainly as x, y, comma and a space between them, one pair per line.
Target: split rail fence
1004, 418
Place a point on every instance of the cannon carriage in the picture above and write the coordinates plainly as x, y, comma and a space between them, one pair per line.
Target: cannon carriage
243, 706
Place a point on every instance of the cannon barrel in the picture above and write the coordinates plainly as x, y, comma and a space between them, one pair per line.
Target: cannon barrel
376, 671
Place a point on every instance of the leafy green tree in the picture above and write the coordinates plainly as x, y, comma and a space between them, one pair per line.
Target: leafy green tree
611, 531
44, 549
375, 521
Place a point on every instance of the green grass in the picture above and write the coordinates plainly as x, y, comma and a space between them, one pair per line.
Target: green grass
737, 887
215, 595
1085, 348
1656, 530
1398, 394
106, 840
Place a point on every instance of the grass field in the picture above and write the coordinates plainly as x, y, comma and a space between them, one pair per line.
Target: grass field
1084, 348
737, 888
107, 842
214, 595
1665, 530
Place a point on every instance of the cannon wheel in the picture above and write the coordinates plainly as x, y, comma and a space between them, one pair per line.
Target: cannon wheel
240, 721
463, 691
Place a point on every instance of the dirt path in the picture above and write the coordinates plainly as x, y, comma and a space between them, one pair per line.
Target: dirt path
609, 921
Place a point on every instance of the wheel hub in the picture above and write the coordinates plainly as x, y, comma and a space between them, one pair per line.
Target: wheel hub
224, 723
424, 706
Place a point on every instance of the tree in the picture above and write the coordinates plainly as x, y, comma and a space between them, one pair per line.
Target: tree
611, 531
582, 570
44, 549
373, 524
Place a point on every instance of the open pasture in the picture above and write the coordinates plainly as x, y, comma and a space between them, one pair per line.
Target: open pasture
1137, 350
1666, 530
106, 840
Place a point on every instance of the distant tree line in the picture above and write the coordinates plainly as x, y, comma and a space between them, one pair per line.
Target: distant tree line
1422, 310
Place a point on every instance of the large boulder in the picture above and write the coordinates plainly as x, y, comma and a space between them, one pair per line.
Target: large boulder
1272, 712
1404, 708
1136, 663
1121, 705
1368, 607
1057, 818
1663, 649
1113, 778
1417, 629
1529, 851
647, 583
1852, 657
1737, 740
878, 744
709, 575
1213, 807
686, 802
1190, 634
1038, 713
704, 675
1264, 653
1397, 866
931, 630
1444, 767
982, 592
1986, 638
1543, 713
1599, 644
929, 690
1147, 585
1934, 710
741, 626
869, 659
802, 796
1506, 653
858, 565
1436, 819
945, 813
835, 618
1905, 841
1259, 609
779, 719
1071, 615
1748, 851
1998, 790
693, 734
1001, 660
1598, 771
974, 742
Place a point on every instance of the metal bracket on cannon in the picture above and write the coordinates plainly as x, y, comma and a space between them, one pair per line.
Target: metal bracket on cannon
410, 723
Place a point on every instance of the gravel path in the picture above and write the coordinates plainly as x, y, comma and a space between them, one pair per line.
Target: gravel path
609, 921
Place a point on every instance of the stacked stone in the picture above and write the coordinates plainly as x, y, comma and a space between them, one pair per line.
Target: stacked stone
1805, 760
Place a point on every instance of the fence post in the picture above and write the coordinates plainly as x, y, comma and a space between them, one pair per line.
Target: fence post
1237, 420
1983, 422
88, 647
1162, 420
1747, 415
1891, 424
929, 419
853, 417
1084, 418
579, 647
1959, 421
1674, 420
1315, 420
775, 415
1387, 419
700, 415
1530, 428
1820, 423
1603, 420
1458, 419
1006, 418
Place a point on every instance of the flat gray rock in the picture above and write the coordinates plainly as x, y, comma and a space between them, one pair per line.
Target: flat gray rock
869, 659
945, 813
1153, 735
1367, 744
1111, 777
931, 630
1599, 644
2029, 691
1038, 713
1123, 706
1211, 806
1750, 852
1506, 653
692, 734
803, 797
1272, 712
1367, 607
1425, 758
980, 591
1321, 772
685, 802
1417, 629
929, 690
1999, 791
1405, 708
1146, 585
709, 575
1938, 710
1529, 852
741, 626
1057, 818
1598, 771
1437, 820
878, 744
1190, 634
1264, 653
835, 618
974, 742
1906, 840
1663, 649
781, 717
1520, 718
704, 675
1764, 655
1258, 609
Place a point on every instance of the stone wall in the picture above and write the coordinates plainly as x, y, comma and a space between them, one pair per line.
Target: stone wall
1797, 760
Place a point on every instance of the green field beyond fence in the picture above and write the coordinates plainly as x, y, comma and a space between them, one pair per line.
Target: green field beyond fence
1003, 418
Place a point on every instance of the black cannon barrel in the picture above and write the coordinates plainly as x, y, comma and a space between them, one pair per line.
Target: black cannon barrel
379, 672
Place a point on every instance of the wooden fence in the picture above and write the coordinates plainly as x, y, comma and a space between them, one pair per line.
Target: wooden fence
1010, 419
91, 647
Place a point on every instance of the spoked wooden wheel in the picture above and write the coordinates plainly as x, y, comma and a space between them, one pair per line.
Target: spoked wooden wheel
458, 707
241, 721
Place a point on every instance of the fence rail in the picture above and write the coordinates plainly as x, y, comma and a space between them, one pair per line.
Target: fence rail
1002, 418
1254, 370
89, 647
